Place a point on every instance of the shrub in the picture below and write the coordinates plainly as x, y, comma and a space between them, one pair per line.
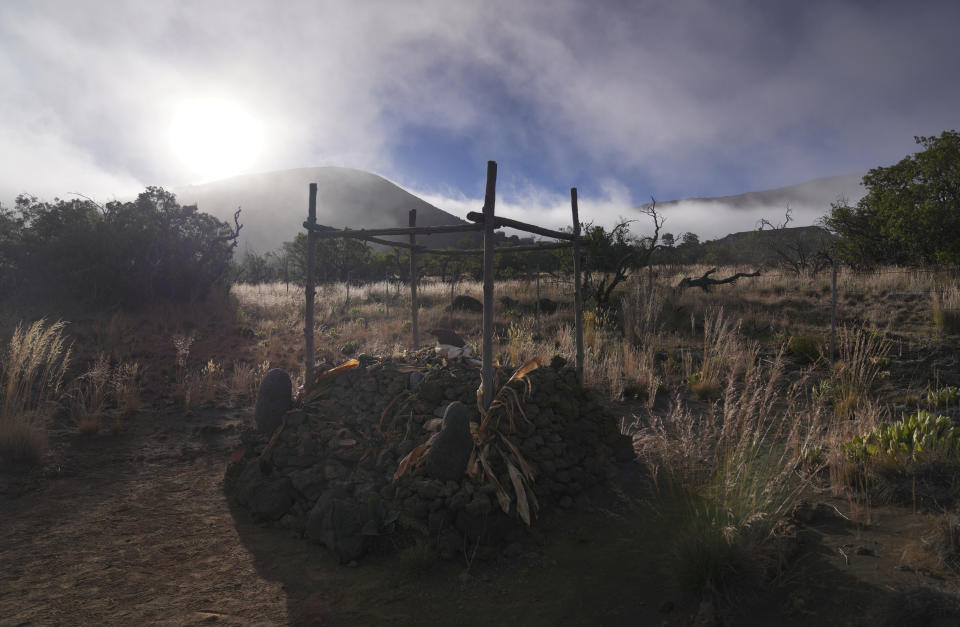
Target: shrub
804, 347
729, 475
133, 254
31, 375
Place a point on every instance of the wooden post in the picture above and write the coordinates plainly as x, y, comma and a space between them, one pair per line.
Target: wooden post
536, 311
310, 292
489, 214
347, 304
650, 280
386, 293
450, 318
577, 295
833, 314
413, 283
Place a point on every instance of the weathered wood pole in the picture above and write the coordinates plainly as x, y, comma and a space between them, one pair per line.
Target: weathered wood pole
577, 295
489, 214
413, 284
450, 317
386, 293
536, 311
310, 292
833, 314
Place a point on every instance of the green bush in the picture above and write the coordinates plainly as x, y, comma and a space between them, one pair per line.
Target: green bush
131, 254
804, 347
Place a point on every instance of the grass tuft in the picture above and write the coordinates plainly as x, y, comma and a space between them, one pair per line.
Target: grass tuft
31, 376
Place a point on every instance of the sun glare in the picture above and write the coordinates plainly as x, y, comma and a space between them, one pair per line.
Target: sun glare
214, 138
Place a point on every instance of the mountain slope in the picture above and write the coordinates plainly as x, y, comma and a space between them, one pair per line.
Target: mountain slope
274, 204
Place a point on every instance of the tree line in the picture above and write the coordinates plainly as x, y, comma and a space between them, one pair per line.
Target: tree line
152, 249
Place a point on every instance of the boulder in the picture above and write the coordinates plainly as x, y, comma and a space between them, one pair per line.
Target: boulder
547, 306
509, 303
273, 400
338, 524
271, 500
448, 456
467, 303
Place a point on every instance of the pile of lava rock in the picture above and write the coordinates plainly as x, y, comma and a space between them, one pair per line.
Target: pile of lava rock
329, 469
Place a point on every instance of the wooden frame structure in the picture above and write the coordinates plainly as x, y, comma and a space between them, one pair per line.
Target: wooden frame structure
486, 221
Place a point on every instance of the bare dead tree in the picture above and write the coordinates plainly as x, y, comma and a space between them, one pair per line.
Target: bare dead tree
800, 251
705, 282
611, 255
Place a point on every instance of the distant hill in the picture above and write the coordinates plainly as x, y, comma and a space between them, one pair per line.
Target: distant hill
715, 217
274, 204
759, 248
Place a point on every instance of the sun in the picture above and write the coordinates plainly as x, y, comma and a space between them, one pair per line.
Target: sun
214, 138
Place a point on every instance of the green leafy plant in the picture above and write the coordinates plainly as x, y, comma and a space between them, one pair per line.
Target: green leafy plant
918, 437
943, 397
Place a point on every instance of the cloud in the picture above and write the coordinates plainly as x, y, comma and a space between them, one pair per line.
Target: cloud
671, 100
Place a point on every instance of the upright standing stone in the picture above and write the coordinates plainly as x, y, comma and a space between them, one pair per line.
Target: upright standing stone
448, 456
273, 400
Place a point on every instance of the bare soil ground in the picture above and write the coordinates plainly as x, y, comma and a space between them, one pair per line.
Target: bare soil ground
135, 529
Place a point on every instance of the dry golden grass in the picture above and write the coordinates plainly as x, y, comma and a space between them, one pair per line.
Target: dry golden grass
946, 309
31, 376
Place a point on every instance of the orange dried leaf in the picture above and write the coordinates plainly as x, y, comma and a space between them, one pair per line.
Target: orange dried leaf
268, 450
525, 369
351, 364
414, 458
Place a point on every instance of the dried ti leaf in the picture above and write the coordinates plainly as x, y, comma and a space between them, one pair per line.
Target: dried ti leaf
473, 465
525, 369
521, 461
272, 444
414, 458
523, 509
350, 364
386, 410
502, 497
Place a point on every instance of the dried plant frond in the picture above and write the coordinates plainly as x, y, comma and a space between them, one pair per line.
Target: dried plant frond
351, 364
414, 458
523, 508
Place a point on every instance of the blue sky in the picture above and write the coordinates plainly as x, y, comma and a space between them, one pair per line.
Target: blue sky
625, 100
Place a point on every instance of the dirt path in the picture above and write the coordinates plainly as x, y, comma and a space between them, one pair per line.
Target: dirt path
135, 529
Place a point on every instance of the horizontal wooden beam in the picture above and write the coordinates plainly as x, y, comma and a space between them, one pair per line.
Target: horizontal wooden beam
499, 222
498, 250
326, 231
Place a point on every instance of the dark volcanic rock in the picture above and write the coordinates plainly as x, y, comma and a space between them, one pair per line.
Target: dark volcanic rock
273, 400
447, 458
338, 523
